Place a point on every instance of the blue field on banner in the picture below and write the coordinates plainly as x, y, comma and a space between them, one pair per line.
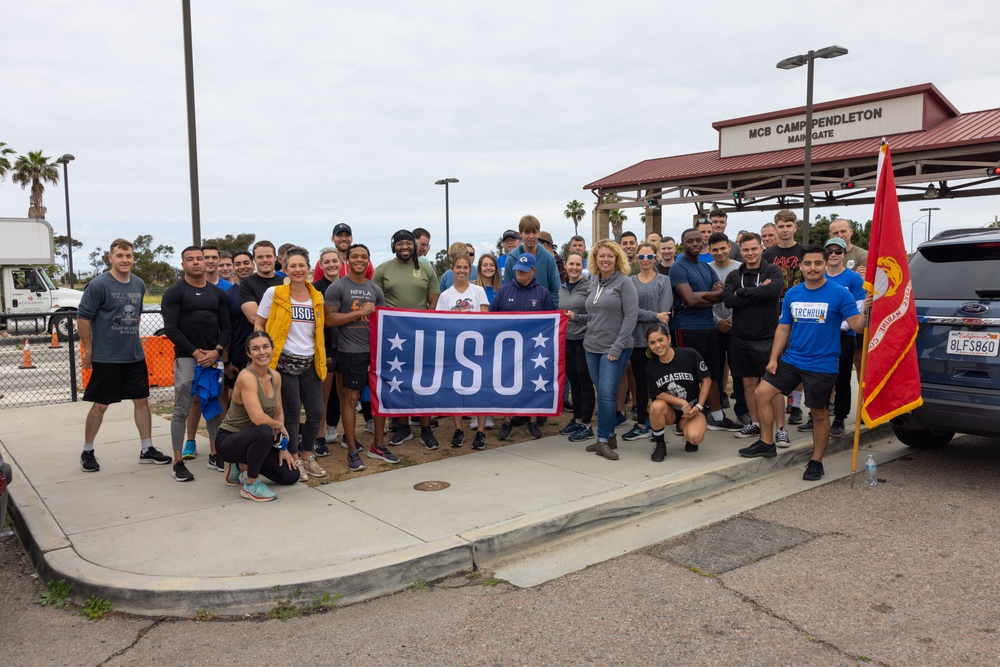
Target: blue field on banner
444, 363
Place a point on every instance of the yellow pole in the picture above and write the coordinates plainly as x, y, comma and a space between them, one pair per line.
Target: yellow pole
861, 394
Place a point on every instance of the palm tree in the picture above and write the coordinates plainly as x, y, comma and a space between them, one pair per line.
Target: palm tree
4, 162
34, 169
575, 211
616, 217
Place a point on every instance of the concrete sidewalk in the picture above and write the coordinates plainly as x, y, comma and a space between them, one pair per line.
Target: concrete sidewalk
132, 534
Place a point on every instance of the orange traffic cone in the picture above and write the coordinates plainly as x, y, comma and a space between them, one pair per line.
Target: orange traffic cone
27, 355
55, 339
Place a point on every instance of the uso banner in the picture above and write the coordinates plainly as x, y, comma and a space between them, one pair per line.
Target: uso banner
444, 363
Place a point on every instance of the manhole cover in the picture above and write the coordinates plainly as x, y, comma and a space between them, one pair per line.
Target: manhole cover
431, 486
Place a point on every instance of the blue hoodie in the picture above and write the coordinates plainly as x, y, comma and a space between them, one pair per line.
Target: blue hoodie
547, 275
513, 297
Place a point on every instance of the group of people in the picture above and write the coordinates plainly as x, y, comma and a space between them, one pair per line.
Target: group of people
265, 334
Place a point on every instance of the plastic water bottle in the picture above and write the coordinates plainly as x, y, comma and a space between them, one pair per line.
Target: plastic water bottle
870, 471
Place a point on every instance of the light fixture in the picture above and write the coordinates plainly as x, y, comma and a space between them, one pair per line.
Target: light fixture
931, 192
447, 222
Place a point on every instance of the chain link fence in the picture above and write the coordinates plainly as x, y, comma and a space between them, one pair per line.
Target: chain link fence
40, 359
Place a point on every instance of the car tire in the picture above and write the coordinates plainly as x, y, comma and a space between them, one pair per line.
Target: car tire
62, 325
923, 438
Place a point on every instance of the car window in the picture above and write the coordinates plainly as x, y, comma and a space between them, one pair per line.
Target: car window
956, 271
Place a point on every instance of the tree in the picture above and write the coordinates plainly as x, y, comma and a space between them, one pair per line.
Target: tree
442, 262
34, 169
616, 217
232, 243
151, 263
4, 161
60, 245
575, 211
98, 259
819, 231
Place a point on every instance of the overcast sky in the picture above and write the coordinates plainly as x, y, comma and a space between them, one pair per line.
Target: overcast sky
311, 113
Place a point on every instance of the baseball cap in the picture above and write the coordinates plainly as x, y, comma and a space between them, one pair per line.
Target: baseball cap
836, 241
525, 262
403, 235
545, 236
342, 227
510, 234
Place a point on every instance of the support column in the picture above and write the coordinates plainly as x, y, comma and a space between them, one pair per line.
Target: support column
600, 226
654, 215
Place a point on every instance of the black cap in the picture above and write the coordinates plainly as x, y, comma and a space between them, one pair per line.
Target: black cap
342, 227
403, 235
511, 234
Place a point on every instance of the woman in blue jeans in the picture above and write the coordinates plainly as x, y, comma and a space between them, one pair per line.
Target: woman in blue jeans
612, 308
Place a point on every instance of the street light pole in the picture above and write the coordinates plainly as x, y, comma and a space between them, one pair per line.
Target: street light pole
447, 222
192, 131
807, 59
64, 161
929, 211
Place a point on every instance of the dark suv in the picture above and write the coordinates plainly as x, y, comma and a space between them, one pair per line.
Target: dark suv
956, 285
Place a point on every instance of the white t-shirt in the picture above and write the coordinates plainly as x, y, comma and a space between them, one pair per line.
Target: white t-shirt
470, 300
302, 333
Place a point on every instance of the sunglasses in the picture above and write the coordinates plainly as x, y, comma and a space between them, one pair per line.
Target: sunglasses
472, 254
646, 257
836, 251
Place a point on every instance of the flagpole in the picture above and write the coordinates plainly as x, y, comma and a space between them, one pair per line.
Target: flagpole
861, 392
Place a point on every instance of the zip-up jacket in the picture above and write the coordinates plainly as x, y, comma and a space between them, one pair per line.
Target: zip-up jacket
756, 307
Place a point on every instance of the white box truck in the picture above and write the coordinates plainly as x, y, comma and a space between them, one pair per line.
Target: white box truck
25, 289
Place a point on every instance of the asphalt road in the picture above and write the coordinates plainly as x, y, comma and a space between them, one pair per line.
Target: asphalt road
899, 574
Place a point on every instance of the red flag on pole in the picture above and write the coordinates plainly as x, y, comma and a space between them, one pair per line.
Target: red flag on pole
891, 377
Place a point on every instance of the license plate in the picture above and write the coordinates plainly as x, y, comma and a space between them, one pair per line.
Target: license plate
974, 343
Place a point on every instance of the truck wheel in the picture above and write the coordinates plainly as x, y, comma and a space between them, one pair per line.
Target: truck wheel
922, 438
62, 325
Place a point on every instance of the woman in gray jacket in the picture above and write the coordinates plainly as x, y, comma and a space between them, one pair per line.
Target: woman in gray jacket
612, 308
573, 299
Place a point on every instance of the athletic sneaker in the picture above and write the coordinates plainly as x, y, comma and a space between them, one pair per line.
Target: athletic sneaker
320, 448
88, 461
232, 474
153, 455
479, 442
258, 491
814, 471
354, 461
505, 430
415, 421
677, 429
659, 452
620, 418
837, 428
400, 436
688, 447
724, 424
749, 431
215, 463
181, 473
759, 448
380, 452
370, 426
808, 426
458, 439
572, 427
332, 435
635, 414
427, 437
781, 438
489, 423
190, 450
795, 416
303, 475
312, 468
725, 401
581, 434
744, 418
474, 424
636, 433
534, 431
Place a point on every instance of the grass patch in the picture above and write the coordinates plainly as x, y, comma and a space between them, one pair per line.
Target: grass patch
710, 575
291, 606
491, 581
419, 584
55, 594
95, 608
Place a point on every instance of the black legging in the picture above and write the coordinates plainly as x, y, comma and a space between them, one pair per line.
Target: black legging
842, 401
580, 384
638, 360
254, 446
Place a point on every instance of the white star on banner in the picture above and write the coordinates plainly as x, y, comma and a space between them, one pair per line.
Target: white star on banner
397, 342
539, 340
396, 366
540, 383
540, 361
394, 385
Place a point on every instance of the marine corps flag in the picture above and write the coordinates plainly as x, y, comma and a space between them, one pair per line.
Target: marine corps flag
891, 379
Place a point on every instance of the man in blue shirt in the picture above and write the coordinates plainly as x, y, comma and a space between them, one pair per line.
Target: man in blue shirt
811, 315
547, 272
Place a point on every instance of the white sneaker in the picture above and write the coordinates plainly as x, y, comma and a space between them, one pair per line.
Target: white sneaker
474, 424
370, 426
781, 438
489, 422
332, 436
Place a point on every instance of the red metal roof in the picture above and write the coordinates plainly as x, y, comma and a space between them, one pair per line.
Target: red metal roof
978, 127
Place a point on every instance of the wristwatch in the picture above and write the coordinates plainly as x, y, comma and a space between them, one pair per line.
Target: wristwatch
220, 349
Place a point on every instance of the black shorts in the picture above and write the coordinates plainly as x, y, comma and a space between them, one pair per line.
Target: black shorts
817, 387
353, 367
332, 359
748, 358
706, 342
114, 383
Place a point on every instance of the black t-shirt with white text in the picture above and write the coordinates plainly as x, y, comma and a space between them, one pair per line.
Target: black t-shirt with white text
681, 377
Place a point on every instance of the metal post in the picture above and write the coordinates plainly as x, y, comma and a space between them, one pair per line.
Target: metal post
69, 229
192, 133
447, 218
807, 164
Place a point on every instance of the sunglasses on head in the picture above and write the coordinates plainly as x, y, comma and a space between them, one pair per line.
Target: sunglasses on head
646, 257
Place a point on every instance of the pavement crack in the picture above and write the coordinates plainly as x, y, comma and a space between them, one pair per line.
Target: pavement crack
142, 632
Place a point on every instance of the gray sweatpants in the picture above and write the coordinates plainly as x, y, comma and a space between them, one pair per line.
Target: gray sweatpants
183, 379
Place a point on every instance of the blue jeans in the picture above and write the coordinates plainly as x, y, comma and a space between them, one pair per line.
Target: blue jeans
606, 376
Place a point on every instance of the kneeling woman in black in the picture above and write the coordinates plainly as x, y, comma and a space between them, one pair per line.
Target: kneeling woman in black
252, 439
678, 381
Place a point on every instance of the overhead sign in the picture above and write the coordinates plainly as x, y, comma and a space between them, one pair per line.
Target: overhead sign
858, 121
